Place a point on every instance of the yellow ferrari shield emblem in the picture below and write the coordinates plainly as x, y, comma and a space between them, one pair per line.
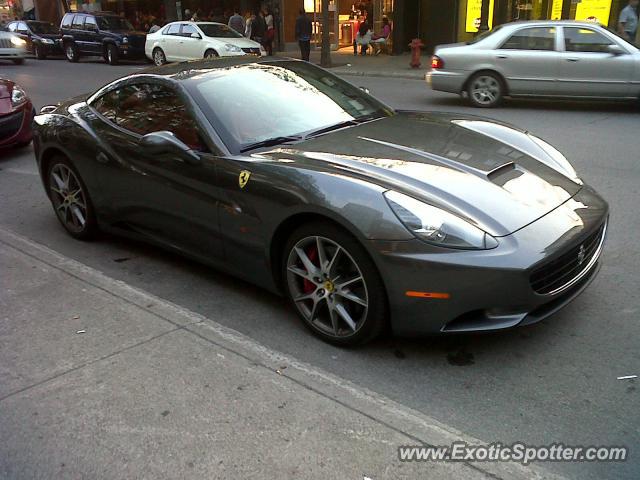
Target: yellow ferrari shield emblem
243, 178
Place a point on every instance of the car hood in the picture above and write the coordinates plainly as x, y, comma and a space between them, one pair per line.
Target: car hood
50, 36
494, 175
238, 42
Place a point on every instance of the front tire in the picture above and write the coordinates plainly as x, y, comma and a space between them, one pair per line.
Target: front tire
38, 52
159, 58
211, 54
70, 199
112, 55
71, 52
334, 285
485, 90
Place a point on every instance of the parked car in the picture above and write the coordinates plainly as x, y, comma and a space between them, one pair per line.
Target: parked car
12, 48
564, 59
43, 38
361, 215
179, 41
101, 34
16, 115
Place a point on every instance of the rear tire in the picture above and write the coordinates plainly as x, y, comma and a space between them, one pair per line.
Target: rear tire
485, 90
71, 52
112, 55
342, 299
159, 58
70, 199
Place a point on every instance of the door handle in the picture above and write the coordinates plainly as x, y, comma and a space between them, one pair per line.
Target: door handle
502, 56
572, 59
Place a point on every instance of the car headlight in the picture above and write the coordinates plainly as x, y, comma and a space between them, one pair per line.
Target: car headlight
125, 40
18, 96
48, 41
18, 42
232, 48
437, 227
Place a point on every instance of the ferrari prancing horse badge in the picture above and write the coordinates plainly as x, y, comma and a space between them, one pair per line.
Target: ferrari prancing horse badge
243, 178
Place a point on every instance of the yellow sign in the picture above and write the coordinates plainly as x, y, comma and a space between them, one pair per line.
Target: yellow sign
243, 178
556, 10
474, 12
594, 11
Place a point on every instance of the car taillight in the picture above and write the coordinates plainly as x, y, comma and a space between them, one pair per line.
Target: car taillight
436, 62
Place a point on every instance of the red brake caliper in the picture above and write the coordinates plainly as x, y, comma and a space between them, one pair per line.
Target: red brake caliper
312, 253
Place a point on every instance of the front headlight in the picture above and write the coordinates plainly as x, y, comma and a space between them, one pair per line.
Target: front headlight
125, 40
18, 42
435, 226
18, 97
48, 41
232, 48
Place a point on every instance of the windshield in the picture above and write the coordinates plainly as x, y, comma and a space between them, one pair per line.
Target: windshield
484, 35
43, 28
253, 103
114, 23
218, 31
624, 41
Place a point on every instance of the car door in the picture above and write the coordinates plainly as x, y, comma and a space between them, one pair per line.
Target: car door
588, 68
93, 41
529, 61
78, 33
165, 198
170, 42
190, 46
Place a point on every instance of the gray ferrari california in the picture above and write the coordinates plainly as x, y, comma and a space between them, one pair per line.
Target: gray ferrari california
364, 217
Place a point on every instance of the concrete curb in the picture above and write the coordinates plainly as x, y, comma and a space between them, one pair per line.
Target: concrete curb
418, 428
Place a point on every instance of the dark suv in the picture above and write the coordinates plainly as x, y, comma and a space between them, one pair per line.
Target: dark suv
100, 33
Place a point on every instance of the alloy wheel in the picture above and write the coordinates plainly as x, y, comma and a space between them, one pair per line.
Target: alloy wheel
158, 57
69, 200
327, 286
485, 90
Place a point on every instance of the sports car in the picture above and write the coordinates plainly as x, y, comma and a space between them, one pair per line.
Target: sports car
362, 216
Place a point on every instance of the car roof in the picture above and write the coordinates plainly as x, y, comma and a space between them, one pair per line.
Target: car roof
196, 23
553, 23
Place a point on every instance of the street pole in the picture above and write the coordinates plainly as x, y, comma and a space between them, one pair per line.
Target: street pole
484, 17
325, 53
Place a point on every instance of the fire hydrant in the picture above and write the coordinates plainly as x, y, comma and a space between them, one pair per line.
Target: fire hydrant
416, 50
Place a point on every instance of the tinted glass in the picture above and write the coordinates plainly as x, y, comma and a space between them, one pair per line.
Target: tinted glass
218, 31
585, 40
147, 108
66, 21
43, 27
484, 35
114, 23
78, 22
542, 38
172, 29
22, 27
256, 102
90, 24
12, 27
187, 30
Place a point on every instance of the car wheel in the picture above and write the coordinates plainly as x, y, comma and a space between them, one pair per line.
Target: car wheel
485, 90
209, 54
112, 55
18, 61
159, 58
334, 285
70, 199
71, 52
38, 52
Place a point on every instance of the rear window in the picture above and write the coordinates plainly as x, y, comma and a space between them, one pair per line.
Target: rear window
484, 35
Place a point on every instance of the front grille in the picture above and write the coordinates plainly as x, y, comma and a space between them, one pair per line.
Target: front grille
137, 42
560, 272
254, 51
10, 125
5, 43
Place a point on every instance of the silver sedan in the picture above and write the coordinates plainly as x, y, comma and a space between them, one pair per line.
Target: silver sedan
564, 59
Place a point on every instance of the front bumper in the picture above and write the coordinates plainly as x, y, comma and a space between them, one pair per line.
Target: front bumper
128, 51
446, 81
488, 289
54, 48
13, 53
15, 127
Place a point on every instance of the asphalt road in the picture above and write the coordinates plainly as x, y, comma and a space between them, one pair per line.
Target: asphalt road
555, 382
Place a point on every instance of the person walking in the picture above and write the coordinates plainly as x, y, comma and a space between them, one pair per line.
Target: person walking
303, 34
628, 21
237, 22
271, 31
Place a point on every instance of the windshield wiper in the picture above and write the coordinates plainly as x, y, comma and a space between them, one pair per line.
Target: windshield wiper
330, 128
269, 142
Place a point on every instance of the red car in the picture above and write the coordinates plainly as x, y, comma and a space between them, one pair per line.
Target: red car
16, 115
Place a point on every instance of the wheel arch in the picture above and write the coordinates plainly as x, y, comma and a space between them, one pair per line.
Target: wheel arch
47, 155
491, 70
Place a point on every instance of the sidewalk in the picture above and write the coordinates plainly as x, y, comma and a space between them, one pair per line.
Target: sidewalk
383, 65
100, 380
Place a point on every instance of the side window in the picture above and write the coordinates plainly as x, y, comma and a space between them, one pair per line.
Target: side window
90, 24
147, 108
13, 27
173, 29
539, 38
585, 40
66, 21
78, 22
22, 28
187, 30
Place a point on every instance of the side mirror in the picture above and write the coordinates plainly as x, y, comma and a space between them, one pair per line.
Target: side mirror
364, 89
166, 143
196, 35
616, 50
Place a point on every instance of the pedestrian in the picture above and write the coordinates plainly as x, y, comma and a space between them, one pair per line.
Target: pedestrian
248, 22
155, 25
237, 22
271, 32
258, 28
303, 34
196, 16
187, 14
628, 21
363, 37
